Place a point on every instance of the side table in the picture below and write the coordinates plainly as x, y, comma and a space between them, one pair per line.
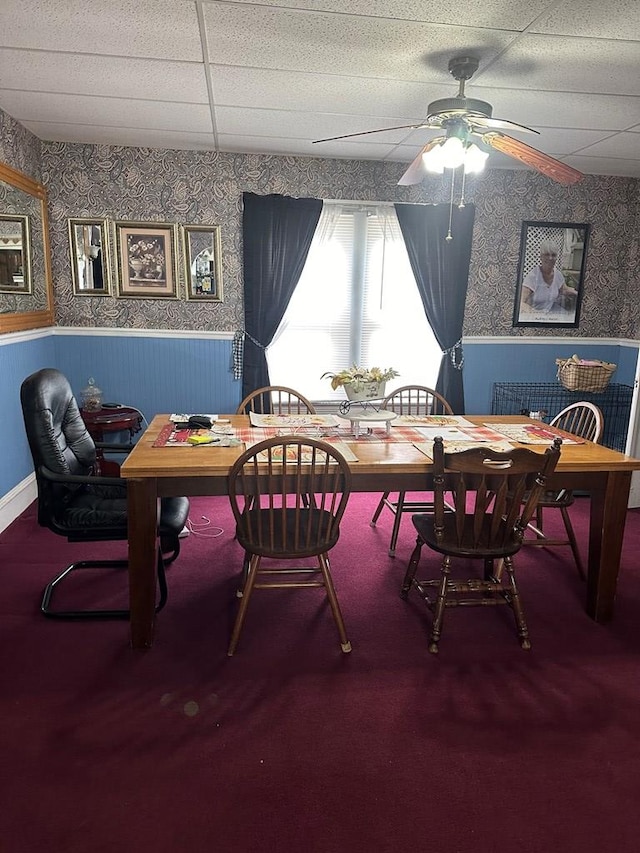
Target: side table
106, 420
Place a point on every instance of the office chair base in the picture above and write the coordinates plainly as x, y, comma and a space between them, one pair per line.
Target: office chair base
45, 606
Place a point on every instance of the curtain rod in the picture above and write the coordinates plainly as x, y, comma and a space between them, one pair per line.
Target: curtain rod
358, 202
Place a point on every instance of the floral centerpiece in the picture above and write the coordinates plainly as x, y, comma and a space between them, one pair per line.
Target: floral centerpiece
362, 383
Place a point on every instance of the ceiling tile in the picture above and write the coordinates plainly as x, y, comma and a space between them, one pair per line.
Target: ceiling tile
299, 90
605, 166
558, 64
594, 18
109, 75
515, 15
350, 45
91, 134
166, 29
115, 112
618, 145
311, 126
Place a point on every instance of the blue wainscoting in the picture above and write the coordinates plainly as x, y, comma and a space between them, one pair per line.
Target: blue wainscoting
20, 355
508, 360
154, 373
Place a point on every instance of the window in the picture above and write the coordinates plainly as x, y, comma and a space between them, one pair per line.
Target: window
357, 302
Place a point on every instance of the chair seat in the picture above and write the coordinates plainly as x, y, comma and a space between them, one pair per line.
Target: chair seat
468, 543
556, 499
102, 510
305, 533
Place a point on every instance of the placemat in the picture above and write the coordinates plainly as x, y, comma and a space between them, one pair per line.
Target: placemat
426, 447
169, 436
342, 448
293, 420
431, 420
532, 433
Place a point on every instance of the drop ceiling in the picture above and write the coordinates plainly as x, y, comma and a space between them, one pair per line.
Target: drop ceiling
256, 76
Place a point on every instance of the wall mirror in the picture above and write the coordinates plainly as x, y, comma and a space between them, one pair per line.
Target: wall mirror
28, 304
88, 244
203, 262
15, 253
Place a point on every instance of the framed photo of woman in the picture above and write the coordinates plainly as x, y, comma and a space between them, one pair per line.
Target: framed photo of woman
550, 274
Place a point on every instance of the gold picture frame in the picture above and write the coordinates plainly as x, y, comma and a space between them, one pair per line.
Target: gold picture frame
147, 260
90, 257
203, 262
15, 254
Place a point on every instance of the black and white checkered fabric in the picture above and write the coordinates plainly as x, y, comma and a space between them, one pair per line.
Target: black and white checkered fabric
237, 354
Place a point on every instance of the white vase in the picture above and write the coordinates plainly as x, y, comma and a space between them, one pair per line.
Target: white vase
362, 391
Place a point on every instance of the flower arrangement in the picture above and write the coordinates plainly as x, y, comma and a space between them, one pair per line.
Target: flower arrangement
146, 257
359, 376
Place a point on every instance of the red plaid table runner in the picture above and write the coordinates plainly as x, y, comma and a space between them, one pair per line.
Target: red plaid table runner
251, 435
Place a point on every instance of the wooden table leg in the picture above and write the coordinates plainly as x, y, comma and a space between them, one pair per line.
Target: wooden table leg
606, 532
143, 508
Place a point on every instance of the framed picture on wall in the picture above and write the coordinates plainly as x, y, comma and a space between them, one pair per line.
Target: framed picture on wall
89, 248
203, 262
147, 259
15, 254
551, 274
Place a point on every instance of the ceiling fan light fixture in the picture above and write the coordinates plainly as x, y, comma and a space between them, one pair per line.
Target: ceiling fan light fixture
474, 159
433, 161
452, 153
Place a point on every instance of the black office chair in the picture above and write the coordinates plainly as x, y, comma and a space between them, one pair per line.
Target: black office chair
72, 501
487, 522
409, 400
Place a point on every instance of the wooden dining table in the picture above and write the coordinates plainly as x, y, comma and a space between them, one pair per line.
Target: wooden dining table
385, 465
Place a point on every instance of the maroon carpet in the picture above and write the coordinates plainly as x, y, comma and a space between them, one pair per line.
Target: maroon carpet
293, 746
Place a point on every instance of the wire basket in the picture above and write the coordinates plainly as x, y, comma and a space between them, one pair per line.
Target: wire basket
590, 376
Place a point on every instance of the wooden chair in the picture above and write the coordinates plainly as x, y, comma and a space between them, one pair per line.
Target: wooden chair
487, 523
277, 400
583, 419
409, 400
268, 486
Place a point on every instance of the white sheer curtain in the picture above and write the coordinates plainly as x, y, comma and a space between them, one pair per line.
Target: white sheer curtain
357, 301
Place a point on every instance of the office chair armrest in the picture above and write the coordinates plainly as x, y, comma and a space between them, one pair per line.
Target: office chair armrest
78, 479
105, 446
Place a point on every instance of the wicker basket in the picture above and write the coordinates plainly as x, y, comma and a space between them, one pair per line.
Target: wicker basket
575, 376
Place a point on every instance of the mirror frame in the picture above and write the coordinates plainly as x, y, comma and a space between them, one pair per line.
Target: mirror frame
19, 321
25, 248
106, 256
216, 264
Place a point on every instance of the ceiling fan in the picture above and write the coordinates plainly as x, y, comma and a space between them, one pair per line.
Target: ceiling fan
470, 121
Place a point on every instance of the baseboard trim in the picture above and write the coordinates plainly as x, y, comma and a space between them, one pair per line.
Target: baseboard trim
17, 500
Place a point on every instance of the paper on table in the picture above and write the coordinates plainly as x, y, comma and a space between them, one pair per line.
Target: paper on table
532, 433
431, 420
295, 421
446, 432
307, 452
426, 447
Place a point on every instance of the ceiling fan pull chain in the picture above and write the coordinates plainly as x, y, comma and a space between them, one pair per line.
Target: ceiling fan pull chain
449, 236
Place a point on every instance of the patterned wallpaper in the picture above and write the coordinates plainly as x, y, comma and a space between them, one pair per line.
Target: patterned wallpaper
19, 148
194, 187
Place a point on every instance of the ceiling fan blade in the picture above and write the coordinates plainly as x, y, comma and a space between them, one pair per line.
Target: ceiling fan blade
499, 124
417, 170
365, 132
543, 163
